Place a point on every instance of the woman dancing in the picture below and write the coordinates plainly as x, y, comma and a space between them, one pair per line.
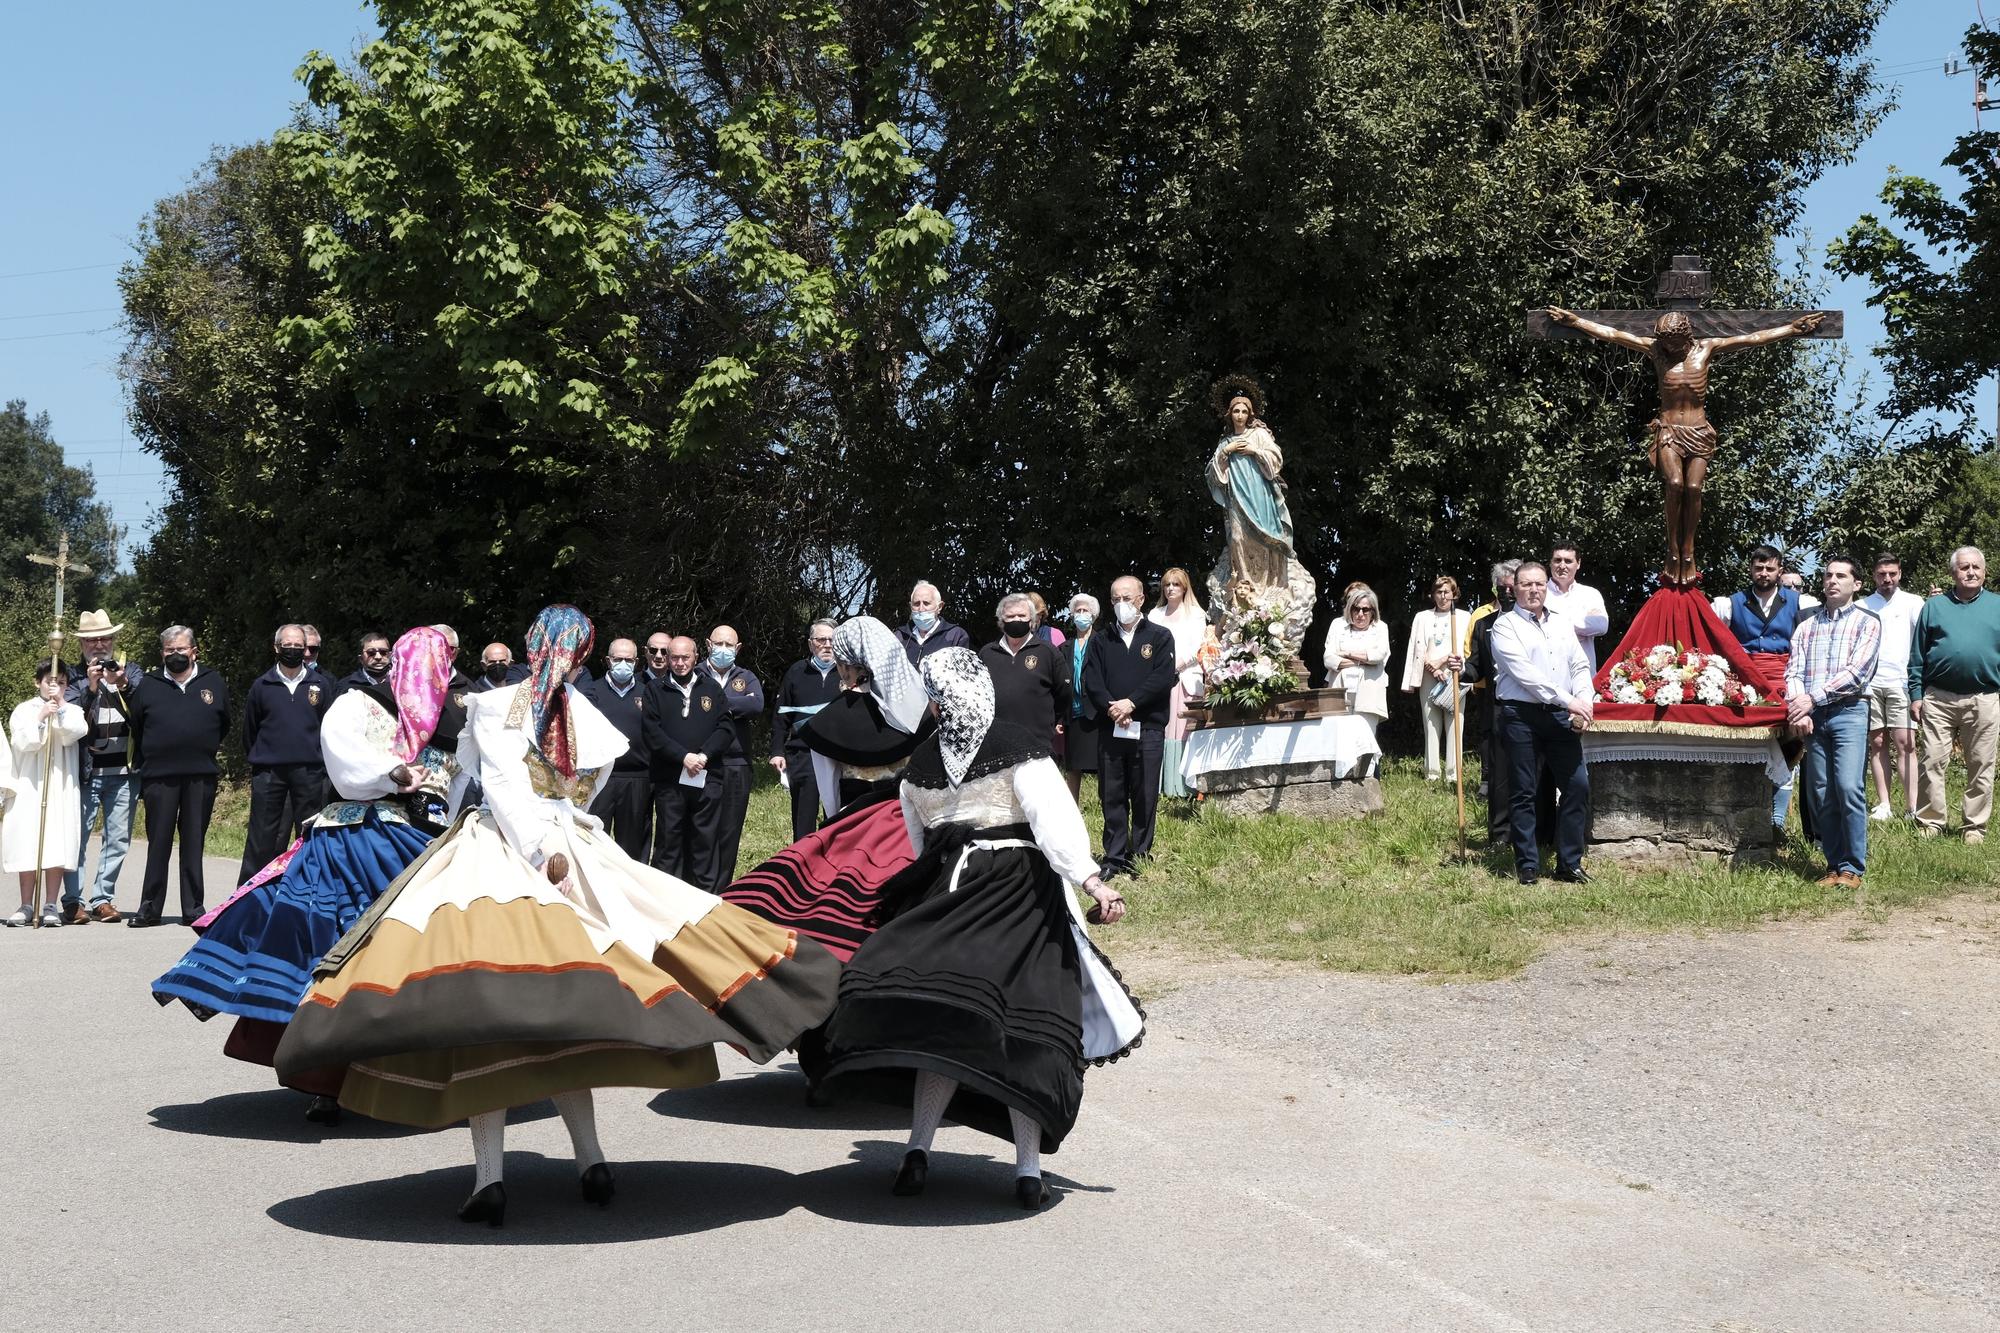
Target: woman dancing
525, 956
980, 996
385, 756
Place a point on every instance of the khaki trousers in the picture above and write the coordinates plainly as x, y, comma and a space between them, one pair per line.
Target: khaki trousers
1973, 720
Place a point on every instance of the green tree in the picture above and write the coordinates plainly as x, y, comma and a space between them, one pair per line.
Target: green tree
42, 497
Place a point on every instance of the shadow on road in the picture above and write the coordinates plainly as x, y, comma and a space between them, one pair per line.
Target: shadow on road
774, 1099
278, 1115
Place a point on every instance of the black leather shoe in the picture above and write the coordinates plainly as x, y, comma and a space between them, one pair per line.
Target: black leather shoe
912, 1175
1529, 877
323, 1111
1576, 875
488, 1205
1031, 1193
597, 1187
1107, 872
141, 922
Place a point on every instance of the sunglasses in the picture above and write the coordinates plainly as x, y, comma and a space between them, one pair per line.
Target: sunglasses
374, 652
656, 652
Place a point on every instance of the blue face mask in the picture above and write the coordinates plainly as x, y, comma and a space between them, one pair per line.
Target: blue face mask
621, 673
923, 620
1083, 620
722, 658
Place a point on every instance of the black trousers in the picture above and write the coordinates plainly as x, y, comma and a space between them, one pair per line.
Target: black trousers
175, 807
1128, 782
1498, 770
735, 777
627, 811
805, 792
686, 821
1535, 738
282, 797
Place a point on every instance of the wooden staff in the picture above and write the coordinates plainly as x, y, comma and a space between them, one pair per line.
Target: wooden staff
1458, 759
48, 773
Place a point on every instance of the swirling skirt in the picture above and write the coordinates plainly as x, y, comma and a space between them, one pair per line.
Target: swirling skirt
825, 884
478, 985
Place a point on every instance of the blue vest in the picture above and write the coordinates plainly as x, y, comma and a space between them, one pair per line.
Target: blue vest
1757, 634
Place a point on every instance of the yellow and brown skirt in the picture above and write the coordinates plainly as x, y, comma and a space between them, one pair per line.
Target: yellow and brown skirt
481, 986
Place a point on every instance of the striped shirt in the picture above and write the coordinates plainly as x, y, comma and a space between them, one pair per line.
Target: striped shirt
1833, 654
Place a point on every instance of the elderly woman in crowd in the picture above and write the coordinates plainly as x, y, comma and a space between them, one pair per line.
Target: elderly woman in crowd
1357, 656
1436, 635
41, 836
1181, 615
1080, 734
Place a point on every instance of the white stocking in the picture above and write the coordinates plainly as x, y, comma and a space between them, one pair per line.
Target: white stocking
489, 1137
927, 1104
1027, 1143
579, 1115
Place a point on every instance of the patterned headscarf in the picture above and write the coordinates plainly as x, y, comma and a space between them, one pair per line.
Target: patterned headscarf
420, 678
963, 688
559, 639
864, 641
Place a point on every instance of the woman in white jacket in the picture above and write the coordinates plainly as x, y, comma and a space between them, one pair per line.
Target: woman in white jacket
1357, 660
1435, 636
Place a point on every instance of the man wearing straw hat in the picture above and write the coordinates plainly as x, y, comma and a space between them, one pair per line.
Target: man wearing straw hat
99, 686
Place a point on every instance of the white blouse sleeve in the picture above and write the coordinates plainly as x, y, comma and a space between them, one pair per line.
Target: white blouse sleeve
913, 823
504, 777
358, 767
1052, 814
1413, 657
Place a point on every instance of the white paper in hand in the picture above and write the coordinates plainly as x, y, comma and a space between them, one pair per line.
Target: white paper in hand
694, 779
1126, 731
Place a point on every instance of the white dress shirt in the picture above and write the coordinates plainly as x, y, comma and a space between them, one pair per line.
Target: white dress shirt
1583, 606
1538, 660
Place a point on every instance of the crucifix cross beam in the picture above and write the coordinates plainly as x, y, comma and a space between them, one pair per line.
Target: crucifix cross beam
64, 567
1681, 289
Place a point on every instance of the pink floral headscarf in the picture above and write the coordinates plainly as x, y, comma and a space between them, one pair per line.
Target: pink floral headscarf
420, 678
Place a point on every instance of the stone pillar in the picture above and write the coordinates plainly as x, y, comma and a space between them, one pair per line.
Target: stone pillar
1667, 813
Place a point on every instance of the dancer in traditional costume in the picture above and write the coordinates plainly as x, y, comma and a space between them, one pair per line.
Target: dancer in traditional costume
981, 996
524, 955
824, 885
388, 749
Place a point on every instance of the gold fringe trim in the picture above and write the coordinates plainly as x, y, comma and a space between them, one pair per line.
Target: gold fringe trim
1624, 728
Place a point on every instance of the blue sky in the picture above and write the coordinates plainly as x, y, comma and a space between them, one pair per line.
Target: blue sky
85, 157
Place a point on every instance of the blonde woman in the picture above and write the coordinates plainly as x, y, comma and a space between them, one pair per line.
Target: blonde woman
1436, 635
1357, 657
1180, 615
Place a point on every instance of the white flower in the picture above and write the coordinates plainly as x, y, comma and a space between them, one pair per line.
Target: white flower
1708, 691
1668, 693
1264, 668
1625, 692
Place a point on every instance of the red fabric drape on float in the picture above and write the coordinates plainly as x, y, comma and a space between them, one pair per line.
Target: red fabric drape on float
1683, 617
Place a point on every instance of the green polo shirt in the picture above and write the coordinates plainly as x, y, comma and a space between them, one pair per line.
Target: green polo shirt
1956, 646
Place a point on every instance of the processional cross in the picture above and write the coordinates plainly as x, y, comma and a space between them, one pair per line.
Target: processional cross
64, 567
1679, 340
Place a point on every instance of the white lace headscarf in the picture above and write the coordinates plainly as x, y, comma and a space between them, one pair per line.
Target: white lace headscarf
963, 688
864, 641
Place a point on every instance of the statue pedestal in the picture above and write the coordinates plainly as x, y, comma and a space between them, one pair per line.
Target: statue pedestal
1303, 754
1675, 801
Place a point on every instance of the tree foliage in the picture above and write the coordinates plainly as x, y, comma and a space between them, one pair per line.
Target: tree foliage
42, 497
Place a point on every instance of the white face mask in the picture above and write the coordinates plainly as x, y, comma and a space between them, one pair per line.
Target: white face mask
1128, 614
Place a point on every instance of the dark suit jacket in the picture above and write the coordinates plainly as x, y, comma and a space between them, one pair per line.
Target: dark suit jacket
1142, 672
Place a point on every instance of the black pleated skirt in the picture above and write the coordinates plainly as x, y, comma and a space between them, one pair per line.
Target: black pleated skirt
981, 985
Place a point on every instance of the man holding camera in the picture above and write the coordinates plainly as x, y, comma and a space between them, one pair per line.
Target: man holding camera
110, 780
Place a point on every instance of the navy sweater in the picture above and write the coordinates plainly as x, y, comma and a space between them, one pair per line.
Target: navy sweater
281, 725
177, 731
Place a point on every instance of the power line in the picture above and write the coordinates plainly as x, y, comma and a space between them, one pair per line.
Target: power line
72, 333
61, 314
45, 272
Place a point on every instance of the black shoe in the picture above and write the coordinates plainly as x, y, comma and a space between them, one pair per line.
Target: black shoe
910, 1178
488, 1205
818, 1097
141, 922
324, 1110
597, 1187
1574, 875
1529, 876
1107, 872
1031, 1193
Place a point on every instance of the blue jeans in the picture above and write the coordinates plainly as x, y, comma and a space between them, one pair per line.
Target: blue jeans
114, 794
1835, 773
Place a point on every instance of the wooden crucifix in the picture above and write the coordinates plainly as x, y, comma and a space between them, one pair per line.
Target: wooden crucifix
1680, 339
64, 567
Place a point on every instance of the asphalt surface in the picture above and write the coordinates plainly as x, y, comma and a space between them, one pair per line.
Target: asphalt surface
1646, 1134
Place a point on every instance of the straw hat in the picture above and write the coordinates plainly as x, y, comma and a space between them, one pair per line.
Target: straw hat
96, 625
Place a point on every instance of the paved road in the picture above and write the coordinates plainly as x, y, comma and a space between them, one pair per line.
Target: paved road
1284, 1151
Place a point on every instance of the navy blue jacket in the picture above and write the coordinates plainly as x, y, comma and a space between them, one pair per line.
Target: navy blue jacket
280, 725
803, 687
678, 724
1031, 687
177, 732
1143, 673
743, 694
628, 714
516, 673
946, 635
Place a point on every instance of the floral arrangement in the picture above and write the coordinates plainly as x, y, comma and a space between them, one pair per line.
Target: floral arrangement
1670, 674
1254, 665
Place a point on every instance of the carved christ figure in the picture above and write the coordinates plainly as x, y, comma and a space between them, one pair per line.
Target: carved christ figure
1683, 438
1243, 476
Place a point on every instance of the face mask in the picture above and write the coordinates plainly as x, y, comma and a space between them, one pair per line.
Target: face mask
178, 662
496, 672
923, 620
621, 673
1015, 629
1128, 614
823, 667
1083, 620
722, 658
291, 657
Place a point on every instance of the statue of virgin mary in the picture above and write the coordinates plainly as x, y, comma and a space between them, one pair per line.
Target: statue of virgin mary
1244, 476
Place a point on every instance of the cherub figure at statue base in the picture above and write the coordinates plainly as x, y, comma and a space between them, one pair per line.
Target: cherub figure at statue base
1231, 597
